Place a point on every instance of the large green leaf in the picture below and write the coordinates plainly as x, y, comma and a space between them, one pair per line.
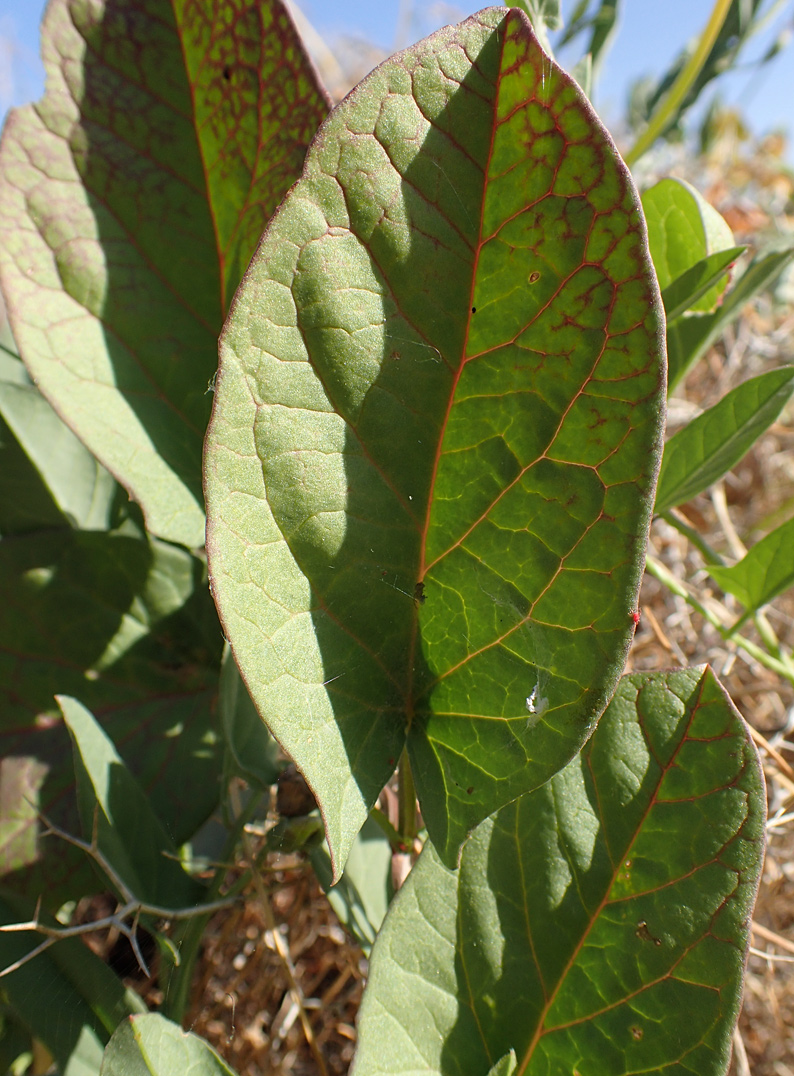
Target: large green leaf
116, 621
598, 924
436, 433
150, 1045
715, 441
131, 199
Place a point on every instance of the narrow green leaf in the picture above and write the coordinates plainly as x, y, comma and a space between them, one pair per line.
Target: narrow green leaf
114, 808
67, 997
253, 751
436, 432
683, 293
150, 1045
80, 487
131, 200
766, 570
362, 895
690, 336
683, 229
597, 924
715, 441
156, 700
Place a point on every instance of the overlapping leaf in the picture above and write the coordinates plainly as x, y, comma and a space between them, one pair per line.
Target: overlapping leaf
598, 924
77, 618
131, 199
436, 432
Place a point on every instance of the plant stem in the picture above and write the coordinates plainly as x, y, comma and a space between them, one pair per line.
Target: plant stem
764, 628
667, 107
179, 981
711, 556
406, 801
781, 667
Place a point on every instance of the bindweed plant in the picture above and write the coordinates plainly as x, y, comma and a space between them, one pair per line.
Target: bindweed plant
431, 459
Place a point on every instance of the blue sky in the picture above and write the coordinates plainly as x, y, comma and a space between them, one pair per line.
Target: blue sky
650, 35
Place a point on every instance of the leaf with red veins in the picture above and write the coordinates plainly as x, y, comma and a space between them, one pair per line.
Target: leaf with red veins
444, 369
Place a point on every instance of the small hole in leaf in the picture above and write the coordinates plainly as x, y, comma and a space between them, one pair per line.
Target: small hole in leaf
474, 310
534, 278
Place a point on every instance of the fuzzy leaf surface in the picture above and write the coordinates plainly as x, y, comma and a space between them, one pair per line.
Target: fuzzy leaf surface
132, 197
436, 434
603, 916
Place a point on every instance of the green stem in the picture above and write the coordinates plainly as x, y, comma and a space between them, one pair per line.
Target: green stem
406, 801
179, 979
658, 571
764, 628
668, 106
711, 556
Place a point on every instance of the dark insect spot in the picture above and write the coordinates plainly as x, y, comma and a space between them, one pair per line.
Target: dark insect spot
534, 278
644, 934
474, 310
637, 1033
469, 790
227, 73
419, 593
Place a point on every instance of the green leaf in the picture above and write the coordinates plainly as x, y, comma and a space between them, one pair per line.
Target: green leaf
682, 293
67, 997
766, 570
253, 751
115, 811
715, 441
689, 337
150, 1045
597, 924
131, 200
435, 435
683, 229
156, 700
81, 488
362, 895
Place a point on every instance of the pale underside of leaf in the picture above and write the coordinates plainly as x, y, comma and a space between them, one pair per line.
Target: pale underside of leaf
435, 434
132, 197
